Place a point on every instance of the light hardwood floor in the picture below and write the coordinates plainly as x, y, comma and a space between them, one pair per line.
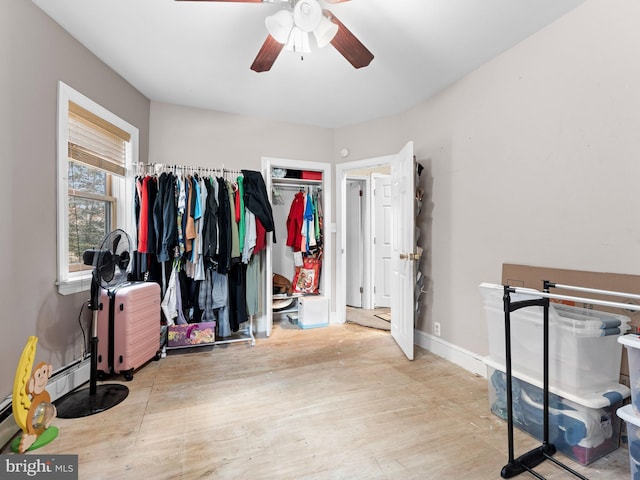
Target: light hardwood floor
331, 403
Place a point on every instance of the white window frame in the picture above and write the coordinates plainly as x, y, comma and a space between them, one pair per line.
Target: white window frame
75, 282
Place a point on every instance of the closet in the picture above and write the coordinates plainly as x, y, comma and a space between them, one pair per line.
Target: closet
308, 299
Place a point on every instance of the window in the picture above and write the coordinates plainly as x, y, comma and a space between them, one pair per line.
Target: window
96, 150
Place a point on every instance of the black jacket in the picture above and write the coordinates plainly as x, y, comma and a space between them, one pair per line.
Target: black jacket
257, 200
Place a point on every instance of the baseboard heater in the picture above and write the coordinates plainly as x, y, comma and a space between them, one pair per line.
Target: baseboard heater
63, 381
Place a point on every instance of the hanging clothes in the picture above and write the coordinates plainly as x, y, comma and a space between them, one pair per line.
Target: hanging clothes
210, 224
254, 273
143, 222
316, 217
172, 301
308, 230
152, 192
257, 200
294, 222
181, 202
240, 215
237, 296
224, 228
250, 236
206, 227
261, 237
198, 257
235, 240
165, 211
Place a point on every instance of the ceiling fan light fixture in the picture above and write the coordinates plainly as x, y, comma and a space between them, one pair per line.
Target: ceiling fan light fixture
279, 25
307, 14
299, 41
324, 32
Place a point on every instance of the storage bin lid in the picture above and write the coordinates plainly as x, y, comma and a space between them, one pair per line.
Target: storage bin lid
588, 319
601, 399
575, 321
627, 414
630, 340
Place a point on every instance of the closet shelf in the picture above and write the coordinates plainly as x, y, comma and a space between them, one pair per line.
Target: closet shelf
294, 181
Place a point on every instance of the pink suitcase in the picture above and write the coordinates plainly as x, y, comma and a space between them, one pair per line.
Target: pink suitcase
128, 327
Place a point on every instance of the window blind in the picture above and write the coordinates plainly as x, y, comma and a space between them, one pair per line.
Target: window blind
96, 142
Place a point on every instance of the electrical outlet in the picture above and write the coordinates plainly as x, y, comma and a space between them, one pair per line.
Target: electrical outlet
436, 329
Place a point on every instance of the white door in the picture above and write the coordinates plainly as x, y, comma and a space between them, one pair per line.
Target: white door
355, 249
382, 226
403, 247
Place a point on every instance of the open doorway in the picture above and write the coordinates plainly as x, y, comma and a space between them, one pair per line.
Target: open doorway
366, 211
367, 293
404, 253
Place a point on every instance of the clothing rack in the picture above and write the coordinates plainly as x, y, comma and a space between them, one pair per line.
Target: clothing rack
529, 460
151, 168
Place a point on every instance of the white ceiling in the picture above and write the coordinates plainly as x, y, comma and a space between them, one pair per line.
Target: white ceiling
198, 53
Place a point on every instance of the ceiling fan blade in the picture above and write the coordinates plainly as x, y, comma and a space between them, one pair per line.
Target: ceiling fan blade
267, 55
238, 1
348, 45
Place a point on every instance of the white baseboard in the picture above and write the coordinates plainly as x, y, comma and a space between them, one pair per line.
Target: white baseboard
69, 379
455, 354
59, 385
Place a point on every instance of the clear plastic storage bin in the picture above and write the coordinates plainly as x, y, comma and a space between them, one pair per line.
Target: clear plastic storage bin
632, 420
584, 428
584, 353
632, 344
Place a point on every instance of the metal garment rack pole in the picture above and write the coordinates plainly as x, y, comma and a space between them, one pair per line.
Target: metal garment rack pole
156, 168
547, 284
249, 338
529, 460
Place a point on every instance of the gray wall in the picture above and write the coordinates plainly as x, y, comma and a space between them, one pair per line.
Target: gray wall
533, 159
190, 136
36, 53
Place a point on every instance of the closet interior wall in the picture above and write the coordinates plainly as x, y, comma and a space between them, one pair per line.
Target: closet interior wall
282, 255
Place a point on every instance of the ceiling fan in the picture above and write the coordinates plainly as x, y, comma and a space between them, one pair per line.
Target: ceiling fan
291, 26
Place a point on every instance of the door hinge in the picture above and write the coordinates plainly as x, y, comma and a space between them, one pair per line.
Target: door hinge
361, 290
361, 193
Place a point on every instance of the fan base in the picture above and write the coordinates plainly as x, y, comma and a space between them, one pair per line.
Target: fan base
82, 404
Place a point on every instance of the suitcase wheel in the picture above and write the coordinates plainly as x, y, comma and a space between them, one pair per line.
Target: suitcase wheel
128, 375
